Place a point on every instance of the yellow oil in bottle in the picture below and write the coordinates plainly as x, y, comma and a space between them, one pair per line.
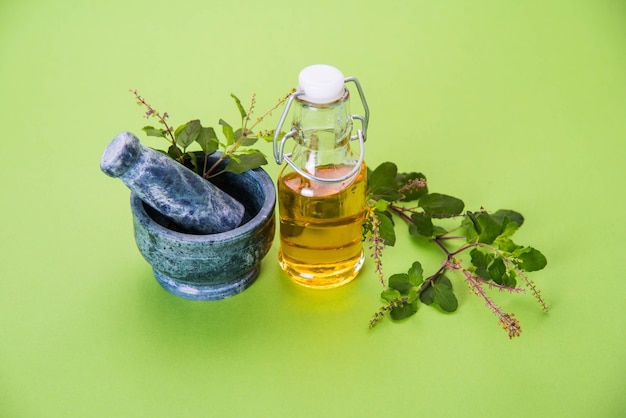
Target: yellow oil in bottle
321, 227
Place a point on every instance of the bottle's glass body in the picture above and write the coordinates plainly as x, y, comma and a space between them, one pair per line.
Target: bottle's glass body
321, 222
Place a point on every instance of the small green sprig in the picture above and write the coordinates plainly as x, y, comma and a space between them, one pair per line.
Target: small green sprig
235, 147
495, 261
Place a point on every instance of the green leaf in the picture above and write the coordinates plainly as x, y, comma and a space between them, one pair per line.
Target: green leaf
387, 193
470, 224
439, 231
497, 270
152, 131
481, 261
442, 279
422, 225
530, 259
400, 282
505, 244
385, 229
174, 152
412, 295
488, 228
379, 205
444, 297
406, 182
403, 311
244, 161
390, 295
415, 274
440, 205
509, 279
382, 177
508, 229
193, 160
242, 111
513, 216
228, 132
187, 133
268, 136
207, 139
249, 139
427, 295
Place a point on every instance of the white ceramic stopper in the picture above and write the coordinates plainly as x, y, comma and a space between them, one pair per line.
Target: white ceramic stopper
321, 83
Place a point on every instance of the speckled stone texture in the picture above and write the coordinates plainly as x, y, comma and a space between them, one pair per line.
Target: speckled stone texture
193, 203
210, 266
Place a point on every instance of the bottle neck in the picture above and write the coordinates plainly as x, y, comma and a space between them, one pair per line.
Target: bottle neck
323, 134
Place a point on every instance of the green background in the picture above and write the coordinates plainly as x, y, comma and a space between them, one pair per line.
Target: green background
518, 105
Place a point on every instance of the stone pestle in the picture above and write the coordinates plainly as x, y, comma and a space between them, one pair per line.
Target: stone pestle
172, 189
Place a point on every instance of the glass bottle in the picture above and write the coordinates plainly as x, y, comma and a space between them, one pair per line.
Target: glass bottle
322, 188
